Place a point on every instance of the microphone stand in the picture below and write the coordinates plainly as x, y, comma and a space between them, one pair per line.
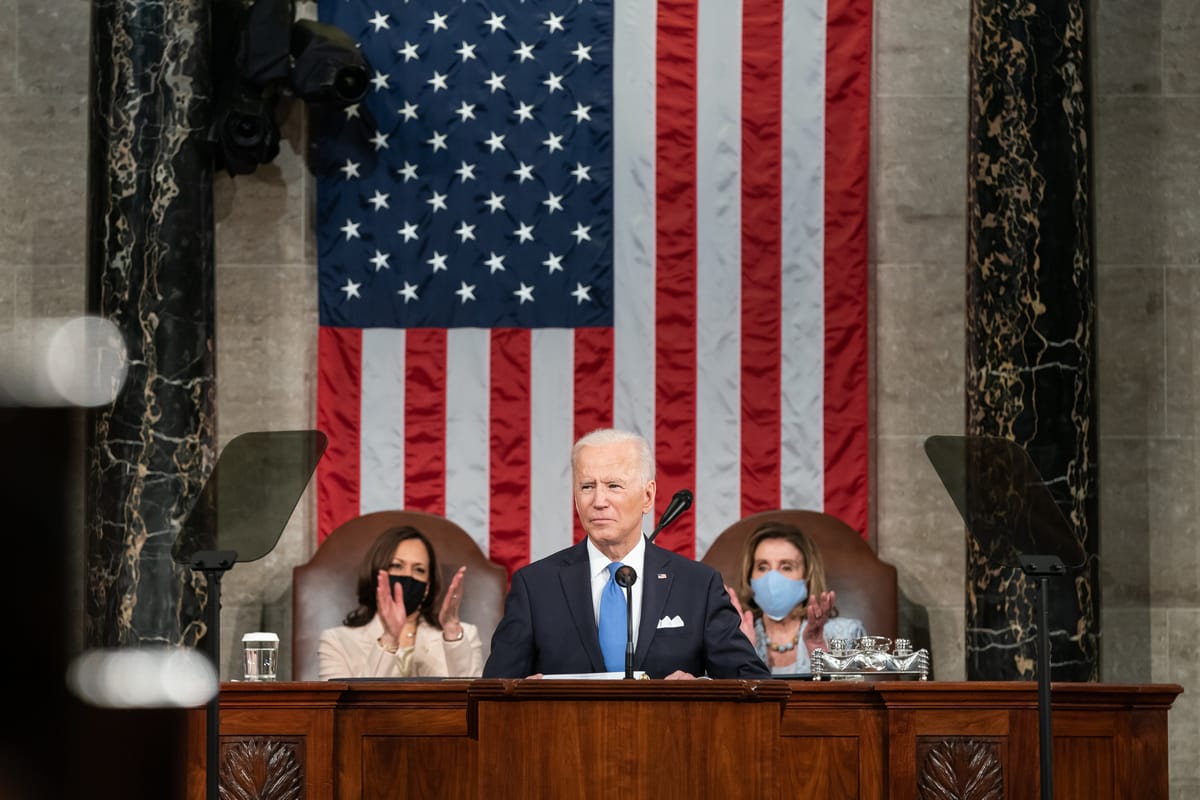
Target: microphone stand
626, 577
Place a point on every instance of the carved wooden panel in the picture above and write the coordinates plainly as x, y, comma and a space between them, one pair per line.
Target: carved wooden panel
262, 768
959, 769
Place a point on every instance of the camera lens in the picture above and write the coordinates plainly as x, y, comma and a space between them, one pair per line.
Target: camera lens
350, 84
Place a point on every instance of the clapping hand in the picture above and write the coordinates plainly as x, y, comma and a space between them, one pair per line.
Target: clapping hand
448, 616
747, 617
819, 610
389, 603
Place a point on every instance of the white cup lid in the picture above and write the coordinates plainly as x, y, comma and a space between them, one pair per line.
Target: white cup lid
261, 637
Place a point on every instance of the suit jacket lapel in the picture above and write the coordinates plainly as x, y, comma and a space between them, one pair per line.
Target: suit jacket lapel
654, 599
577, 588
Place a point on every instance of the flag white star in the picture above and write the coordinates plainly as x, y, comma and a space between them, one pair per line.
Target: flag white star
553, 202
495, 141
409, 51
465, 231
437, 141
351, 230
495, 263
524, 52
438, 21
351, 111
581, 232
553, 141
553, 263
495, 82
380, 141
409, 291
581, 113
351, 288
523, 172
408, 231
554, 82
380, 80
525, 293
465, 172
465, 110
494, 203
495, 22
582, 293
350, 168
409, 171
554, 22
466, 291
524, 112
438, 262
524, 233
380, 260
379, 22
582, 53
438, 81
466, 52
580, 172
408, 111
437, 201
379, 200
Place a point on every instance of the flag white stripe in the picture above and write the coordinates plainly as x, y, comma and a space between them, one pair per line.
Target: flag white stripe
381, 433
718, 269
468, 361
552, 353
803, 209
634, 71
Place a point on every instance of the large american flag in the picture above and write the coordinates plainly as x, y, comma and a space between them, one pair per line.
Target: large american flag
550, 216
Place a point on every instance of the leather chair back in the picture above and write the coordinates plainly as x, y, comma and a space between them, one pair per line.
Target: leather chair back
324, 589
866, 587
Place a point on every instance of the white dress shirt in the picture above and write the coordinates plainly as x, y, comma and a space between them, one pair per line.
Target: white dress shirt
599, 562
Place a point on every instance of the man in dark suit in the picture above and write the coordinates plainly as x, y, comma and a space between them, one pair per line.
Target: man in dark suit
556, 613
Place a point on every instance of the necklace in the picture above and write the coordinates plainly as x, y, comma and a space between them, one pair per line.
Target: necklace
783, 648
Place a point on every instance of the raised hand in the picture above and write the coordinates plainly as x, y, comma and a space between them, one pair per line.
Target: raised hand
747, 617
448, 616
819, 609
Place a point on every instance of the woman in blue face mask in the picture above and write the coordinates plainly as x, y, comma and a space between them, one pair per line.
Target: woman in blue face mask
789, 610
395, 631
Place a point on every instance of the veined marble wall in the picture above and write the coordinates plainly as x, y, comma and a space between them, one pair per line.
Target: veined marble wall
1147, 168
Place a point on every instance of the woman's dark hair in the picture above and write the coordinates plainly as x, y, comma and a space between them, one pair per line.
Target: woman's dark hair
379, 557
814, 566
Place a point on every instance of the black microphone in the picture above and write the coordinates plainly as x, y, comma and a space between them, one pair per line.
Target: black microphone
680, 502
626, 577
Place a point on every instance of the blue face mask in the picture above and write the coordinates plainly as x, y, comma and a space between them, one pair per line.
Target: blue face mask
777, 595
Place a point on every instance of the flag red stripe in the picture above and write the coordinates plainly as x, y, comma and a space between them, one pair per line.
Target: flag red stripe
339, 369
847, 126
675, 275
509, 473
425, 420
762, 98
593, 389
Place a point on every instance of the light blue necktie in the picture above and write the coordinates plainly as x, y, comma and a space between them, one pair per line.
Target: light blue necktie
613, 624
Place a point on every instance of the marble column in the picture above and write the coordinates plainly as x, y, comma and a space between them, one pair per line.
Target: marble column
1031, 317
150, 271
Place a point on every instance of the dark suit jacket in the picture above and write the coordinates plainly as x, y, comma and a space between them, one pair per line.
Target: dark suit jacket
549, 624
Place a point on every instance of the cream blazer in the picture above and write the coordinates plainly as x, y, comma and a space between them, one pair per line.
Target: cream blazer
347, 652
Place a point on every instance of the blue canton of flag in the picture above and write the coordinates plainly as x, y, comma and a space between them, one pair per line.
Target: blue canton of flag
473, 185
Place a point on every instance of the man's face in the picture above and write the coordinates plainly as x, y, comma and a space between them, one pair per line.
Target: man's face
610, 496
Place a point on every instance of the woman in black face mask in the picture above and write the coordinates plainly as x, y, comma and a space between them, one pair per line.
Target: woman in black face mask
394, 631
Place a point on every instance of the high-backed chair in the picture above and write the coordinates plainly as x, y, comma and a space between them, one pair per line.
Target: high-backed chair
866, 587
324, 589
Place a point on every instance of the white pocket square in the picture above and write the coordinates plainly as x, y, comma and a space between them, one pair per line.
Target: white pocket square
670, 622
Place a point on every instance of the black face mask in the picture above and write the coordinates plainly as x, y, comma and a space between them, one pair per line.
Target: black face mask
414, 591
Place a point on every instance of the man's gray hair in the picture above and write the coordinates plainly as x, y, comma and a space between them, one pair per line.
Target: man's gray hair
614, 436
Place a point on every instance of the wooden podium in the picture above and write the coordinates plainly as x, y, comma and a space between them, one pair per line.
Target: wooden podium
681, 739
